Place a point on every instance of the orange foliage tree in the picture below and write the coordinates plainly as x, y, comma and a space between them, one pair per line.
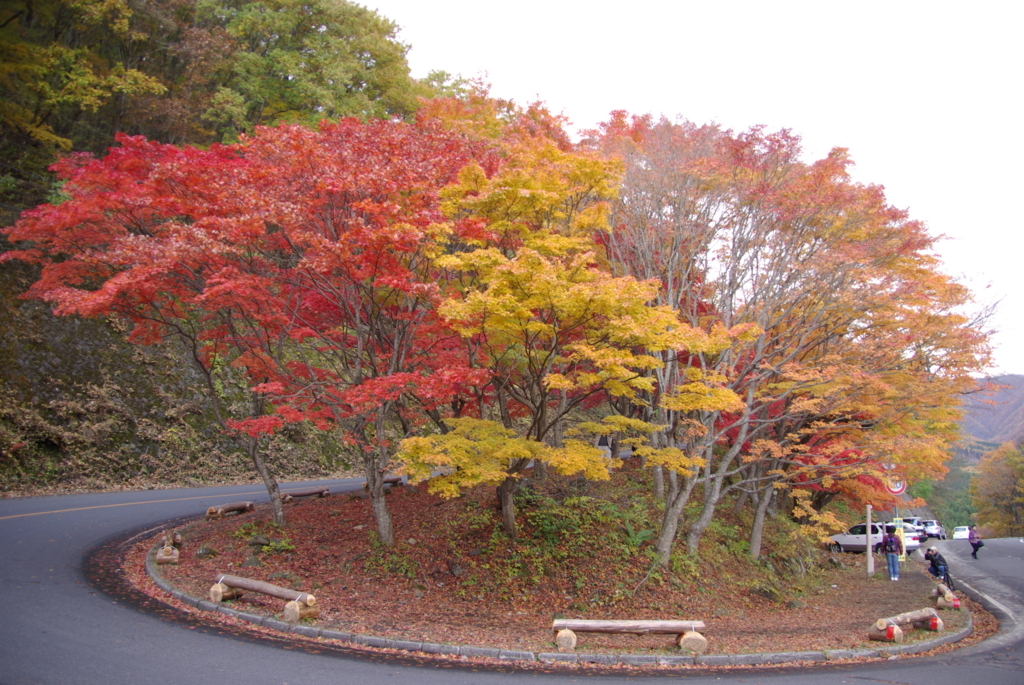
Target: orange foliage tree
862, 348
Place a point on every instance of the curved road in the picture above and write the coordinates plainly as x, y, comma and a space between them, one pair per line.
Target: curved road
55, 627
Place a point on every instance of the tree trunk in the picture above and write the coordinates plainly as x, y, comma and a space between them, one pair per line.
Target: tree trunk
540, 471
376, 460
678, 497
741, 501
714, 480
251, 444
506, 493
375, 488
659, 482
748, 494
712, 492
757, 528
715, 475
268, 480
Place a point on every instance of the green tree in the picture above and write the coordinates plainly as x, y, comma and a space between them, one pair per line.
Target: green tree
950, 499
76, 72
997, 491
69, 68
306, 60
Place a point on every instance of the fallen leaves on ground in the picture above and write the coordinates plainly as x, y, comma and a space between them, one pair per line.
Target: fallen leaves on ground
428, 588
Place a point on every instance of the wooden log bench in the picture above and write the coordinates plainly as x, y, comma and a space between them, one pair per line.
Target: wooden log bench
944, 598
388, 480
891, 629
218, 512
298, 604
687, 633
287, 497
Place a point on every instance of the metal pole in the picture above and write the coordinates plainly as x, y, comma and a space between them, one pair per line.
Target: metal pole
869, 553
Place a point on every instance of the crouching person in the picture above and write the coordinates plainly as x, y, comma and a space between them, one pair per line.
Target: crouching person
938, 567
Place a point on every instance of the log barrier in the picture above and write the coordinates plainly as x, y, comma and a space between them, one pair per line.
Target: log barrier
214, 513
892, 629
388, 480
944, 598
287, 497
298, 604
687, 636
168, 552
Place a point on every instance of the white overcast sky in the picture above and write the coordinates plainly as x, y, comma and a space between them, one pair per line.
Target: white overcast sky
925, 95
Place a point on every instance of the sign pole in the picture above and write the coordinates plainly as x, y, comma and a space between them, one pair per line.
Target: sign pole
868, 552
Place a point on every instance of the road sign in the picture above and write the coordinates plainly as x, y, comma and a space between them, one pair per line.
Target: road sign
896, 487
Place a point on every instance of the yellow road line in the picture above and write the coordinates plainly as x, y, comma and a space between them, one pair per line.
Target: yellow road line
127, 504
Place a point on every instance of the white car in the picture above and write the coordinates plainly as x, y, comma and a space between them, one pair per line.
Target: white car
915, 523
911, 538
853, 539
961, 533
934, 529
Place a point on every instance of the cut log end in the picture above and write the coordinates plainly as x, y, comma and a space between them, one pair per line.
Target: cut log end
692, 643
952, 602
220, 592
566, 640
167, 555
294, 611
934, 623
889, 633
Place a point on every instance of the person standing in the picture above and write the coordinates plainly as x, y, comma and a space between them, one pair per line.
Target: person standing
975, 540
893, 548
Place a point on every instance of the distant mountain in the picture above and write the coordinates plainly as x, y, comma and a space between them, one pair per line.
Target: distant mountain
994, 418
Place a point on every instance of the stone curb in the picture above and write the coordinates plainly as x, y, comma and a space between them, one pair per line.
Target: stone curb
626, 659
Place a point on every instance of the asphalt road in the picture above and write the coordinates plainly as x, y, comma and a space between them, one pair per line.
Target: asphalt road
58, 626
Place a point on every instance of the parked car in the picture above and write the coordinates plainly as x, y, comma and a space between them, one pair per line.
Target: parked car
853, 540
917, 523
912, 536
961, 533
934, 529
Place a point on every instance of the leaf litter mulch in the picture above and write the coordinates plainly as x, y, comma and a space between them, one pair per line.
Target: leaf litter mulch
450, 578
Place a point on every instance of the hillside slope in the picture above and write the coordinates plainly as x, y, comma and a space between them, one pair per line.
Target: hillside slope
997, 417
